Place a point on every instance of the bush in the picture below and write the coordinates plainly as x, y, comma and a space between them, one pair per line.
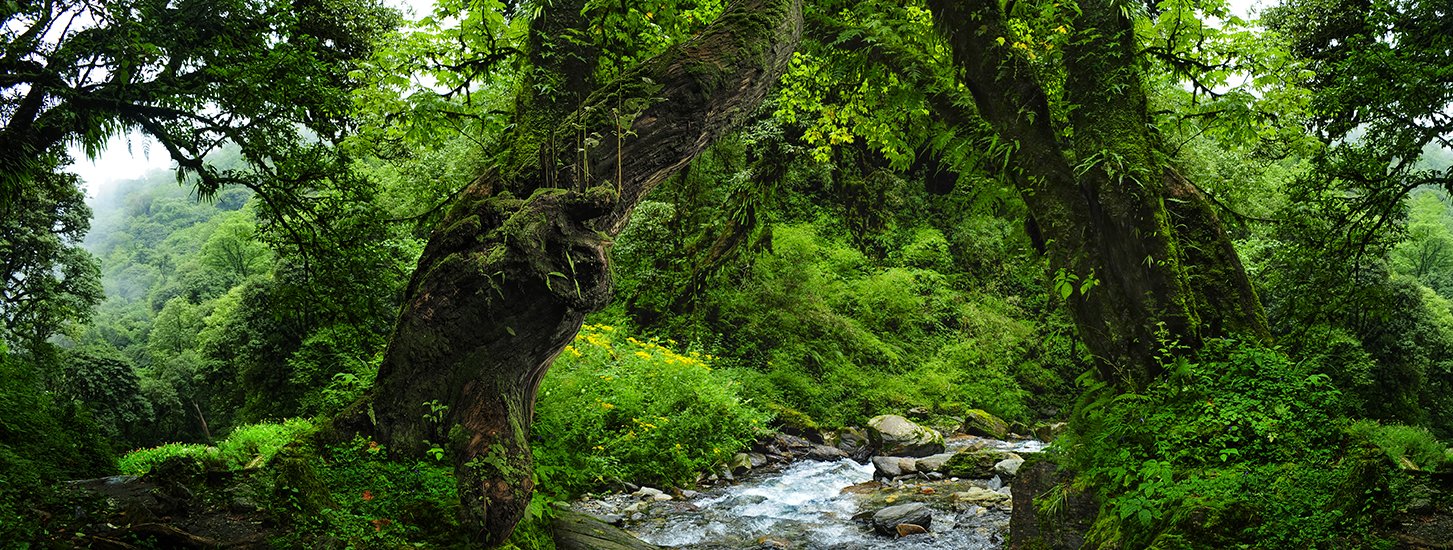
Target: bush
241, 447
616, 407
1414, 443
1228, 450
41, 442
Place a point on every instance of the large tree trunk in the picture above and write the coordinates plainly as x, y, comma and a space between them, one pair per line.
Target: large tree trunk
1147, 261
523, 253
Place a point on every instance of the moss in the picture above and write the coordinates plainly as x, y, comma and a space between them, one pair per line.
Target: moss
298, 492
792, 419
973, 464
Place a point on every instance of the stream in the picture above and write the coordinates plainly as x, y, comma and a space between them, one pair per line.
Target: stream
812, 505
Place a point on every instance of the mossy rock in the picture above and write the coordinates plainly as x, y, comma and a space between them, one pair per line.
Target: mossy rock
983, 424
180, 470
793, 422
973, 464
574, 531
894, 435
298, 492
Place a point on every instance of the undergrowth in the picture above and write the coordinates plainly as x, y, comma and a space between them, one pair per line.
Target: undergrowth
616, 408
246, 446
1237, 448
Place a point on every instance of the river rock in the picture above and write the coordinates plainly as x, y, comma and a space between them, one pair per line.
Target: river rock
854, 442
981, 495
788, 447
886, 521
933, 463
647, 493
740, 462
1008, 467
824, 453
905, 529
898, 436
983, 424
973, 464
574, 531
889, 467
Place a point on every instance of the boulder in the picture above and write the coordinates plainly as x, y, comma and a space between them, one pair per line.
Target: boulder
783, 447
1019, 428
889, 467
575, 531
933, 463
1062, 528
897, 436
982, 424
981, 495
1041, 432
1008, 467
824, 453
740, 462
792, 422
854, 442
887, 520
973, 464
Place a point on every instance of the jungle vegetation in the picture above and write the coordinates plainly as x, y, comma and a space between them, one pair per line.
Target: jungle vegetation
1106, 213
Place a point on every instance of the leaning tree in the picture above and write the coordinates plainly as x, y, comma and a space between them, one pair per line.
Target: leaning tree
522, 254
1137, 250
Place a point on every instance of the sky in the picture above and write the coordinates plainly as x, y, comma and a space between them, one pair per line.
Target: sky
131, 156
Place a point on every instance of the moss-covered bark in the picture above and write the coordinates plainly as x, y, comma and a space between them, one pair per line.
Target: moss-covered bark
504, 283
1139, 247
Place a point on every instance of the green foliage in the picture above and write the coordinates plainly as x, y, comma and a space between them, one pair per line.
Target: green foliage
375, 503
48, 284
613, 407
1413, 443
108, 383
1231, 448
42, 441
141, 461
251, 444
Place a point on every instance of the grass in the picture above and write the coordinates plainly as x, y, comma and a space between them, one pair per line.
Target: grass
243, 447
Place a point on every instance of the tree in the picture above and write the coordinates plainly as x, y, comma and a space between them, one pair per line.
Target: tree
270, 76
1138, 251
232, 249
522, 254
49, 282
1429, 245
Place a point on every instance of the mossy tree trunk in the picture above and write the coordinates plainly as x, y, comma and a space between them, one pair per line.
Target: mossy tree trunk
1140, 247
523, 253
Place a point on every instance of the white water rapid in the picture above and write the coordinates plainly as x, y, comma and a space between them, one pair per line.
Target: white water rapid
803, 507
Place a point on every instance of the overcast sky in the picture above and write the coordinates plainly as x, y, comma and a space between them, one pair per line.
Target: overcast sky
131, 157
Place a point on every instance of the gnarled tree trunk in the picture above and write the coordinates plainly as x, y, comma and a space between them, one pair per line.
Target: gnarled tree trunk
1144, 253
523, 253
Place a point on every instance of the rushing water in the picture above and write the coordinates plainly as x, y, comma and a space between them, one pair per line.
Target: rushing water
804, 507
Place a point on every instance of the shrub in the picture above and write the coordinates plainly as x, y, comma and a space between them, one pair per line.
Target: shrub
1226, 451
40, 442
241, 447
616, 407
141, 461
1414, 443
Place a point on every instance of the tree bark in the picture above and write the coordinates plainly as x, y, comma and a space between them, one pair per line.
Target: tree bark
1146, 260
503, 285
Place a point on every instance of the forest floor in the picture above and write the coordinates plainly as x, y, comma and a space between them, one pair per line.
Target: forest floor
1432, 531
130, 512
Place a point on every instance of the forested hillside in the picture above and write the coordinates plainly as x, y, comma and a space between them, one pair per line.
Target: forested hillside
1208, 259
